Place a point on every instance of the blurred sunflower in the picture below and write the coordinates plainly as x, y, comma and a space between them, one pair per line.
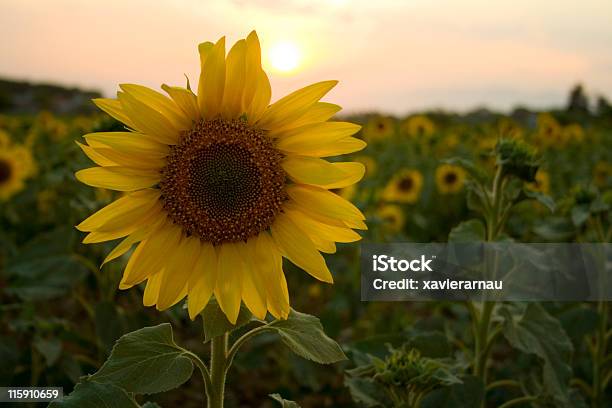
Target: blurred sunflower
370, 164
16, 165
541, 183
5, 139
549, 132
450, 178
392, 216
418, 126
379, 128
404, 187
602, 173
509, 128
573, 133
221, 185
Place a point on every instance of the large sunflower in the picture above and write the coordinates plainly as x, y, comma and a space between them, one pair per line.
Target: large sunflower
221, 185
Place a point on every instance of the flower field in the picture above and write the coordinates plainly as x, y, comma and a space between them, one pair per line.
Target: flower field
429, 177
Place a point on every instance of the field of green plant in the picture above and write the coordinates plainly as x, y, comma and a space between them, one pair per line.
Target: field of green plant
430, 177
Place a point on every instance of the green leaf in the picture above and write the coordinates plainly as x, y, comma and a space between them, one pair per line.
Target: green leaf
537, 332
543, 199
474, 171
216, 323
283, 402
9, 355
365, 392
51, 349
468, 231
556, 229
580, 214
304, 335
150, 404
146, 361
468, 394
90, 394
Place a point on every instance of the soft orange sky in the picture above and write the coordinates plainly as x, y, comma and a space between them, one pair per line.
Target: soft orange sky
391, 55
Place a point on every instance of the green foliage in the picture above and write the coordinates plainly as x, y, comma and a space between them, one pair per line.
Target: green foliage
304, 335
91, 394
216, 323
283, 402
537, 332
146, 361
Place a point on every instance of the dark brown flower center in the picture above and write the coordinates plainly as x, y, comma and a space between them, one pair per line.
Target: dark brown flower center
223, 182
406, 184
450, 178
5, 171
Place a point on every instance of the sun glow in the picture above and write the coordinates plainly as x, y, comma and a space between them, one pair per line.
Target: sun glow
285, 56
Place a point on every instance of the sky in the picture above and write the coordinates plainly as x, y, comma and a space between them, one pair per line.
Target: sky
395, 56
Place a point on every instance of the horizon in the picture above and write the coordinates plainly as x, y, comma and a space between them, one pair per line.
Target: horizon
393, 57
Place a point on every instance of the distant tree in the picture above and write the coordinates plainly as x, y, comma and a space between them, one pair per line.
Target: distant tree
578, 101
603, 106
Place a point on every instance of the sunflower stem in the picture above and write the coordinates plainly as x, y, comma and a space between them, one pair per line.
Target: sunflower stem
218, 361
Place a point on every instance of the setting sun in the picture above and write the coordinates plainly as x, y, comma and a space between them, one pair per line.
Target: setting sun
285, 56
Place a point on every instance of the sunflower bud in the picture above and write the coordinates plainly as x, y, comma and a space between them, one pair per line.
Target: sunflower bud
517, 159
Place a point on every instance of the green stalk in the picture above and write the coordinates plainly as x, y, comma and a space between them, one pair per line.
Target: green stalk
601, 339
218, 360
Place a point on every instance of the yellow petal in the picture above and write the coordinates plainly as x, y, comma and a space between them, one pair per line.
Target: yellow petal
319, 201
129, 143
139, 235
313, 227
335, 148
185, 100
310, 170
177, 271
203, 280
212, 81
293, 106
126, 205
312, 137
95, 156
228, 289
118, 178
317, 113
160, 103
151, 255
148, 120
132, 224
114, 108
235, 72
299, 248
257, 92
253, 291
267, 264
151, 292
132, 161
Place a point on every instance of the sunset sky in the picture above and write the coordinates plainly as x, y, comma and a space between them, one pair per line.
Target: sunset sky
390, 55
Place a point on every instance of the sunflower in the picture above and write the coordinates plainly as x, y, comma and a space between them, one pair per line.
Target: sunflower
370, 164
418, 126
602, 173
573, 133
379, 128
220, 186
404, 187
392, 217
509, 128
16, 165
449, 178
541, 183
549, 131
